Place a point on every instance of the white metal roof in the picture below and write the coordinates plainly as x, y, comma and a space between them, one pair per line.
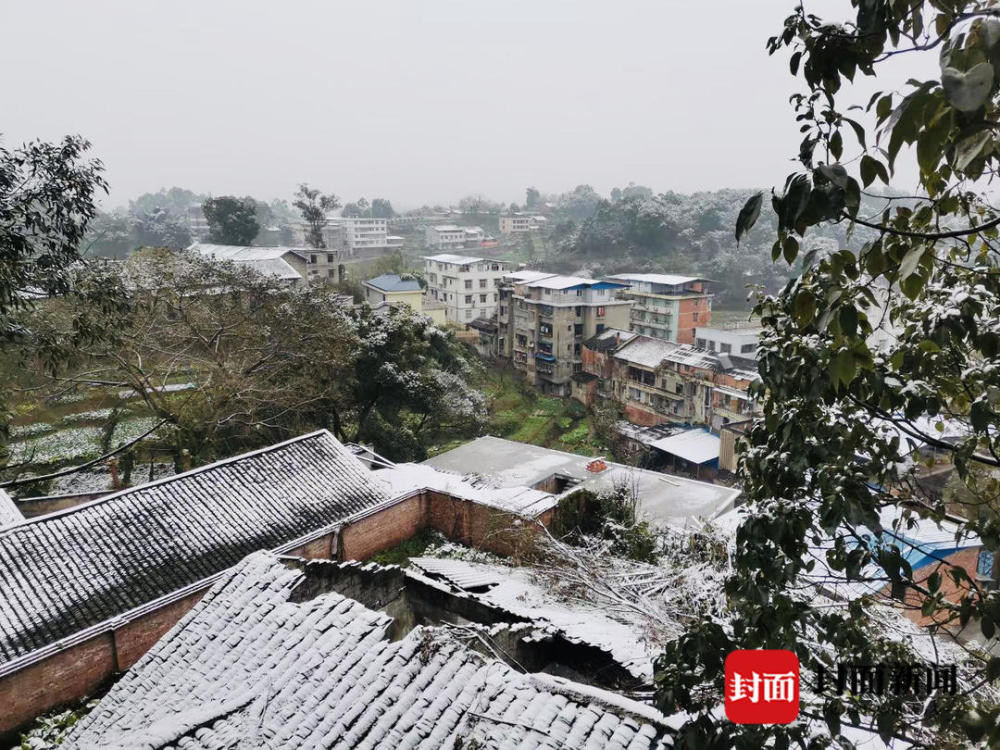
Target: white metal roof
529, 276
657, 278
459, 260
696, 446
562, 282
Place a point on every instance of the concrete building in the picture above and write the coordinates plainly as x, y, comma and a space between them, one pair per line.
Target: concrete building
659, 382
667, 501
321, 263
519, 223
363, 235
543, 320
741, 342
452, 237
393, 289
467, 286
667, 307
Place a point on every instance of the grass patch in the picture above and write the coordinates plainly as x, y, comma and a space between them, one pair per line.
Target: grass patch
415, 546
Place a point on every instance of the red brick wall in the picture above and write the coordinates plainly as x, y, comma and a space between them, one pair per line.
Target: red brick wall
80, 670
135, 638
635, 414
382, 530
56, 681
966, 558
324, 548
686, 308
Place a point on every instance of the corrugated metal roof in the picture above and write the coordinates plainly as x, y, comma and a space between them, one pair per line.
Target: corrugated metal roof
456, 572
696, 446
657, 278
393, 282
71, 570
252, 666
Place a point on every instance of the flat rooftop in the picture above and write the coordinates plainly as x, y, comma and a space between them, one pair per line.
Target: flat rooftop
663, 498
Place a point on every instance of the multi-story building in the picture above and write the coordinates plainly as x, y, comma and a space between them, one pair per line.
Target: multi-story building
667, 307
321, 263
518, 223
741, 342
543, 320
659, 382
363, 235
451, 237
469, 287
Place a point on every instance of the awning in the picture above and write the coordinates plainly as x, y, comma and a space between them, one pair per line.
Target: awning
696, 446
546, 357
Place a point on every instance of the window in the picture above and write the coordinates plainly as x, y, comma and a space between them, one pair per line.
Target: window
726, 348
482, 283
600, 328
600, 312
482, 297
634, 394
312, 258
694, 317
468, 283
468, 314
331, 273
747, 348
329, 257
468, 299
701, 343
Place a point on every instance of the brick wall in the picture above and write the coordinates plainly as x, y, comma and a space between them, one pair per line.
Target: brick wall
61, 679
636, 414
135, 638
965, 558
78, 671
382, 530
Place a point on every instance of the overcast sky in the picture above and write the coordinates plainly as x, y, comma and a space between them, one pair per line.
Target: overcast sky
419, 101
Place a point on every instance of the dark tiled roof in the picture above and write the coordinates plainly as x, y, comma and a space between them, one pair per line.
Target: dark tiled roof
72, 570
247, 665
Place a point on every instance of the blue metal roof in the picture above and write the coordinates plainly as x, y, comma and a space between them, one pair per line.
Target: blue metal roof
393, 282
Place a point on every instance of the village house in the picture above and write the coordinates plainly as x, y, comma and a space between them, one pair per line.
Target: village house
288, 654
452, 237
659, 382
740, 341
520, 223
666, 306
390, 290
289, 264
467, 286
135, 561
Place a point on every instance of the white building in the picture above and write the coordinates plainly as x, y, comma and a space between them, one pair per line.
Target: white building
740, 342
518, 223
451, 237
467, 286
362, 234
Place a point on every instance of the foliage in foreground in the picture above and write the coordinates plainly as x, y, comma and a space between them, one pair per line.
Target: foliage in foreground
864, 352
269, 362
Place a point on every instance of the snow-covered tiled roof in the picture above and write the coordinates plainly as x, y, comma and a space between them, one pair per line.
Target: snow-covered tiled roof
9, 512
527, 276
250, 664
73, 570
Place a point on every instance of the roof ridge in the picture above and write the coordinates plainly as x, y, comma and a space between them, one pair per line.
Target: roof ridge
29, 522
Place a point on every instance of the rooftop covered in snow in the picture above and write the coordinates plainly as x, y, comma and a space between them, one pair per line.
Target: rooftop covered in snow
71, 571
663, 498
270, 261
257, 662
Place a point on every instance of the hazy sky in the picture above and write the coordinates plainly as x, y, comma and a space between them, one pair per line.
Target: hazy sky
419, 101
